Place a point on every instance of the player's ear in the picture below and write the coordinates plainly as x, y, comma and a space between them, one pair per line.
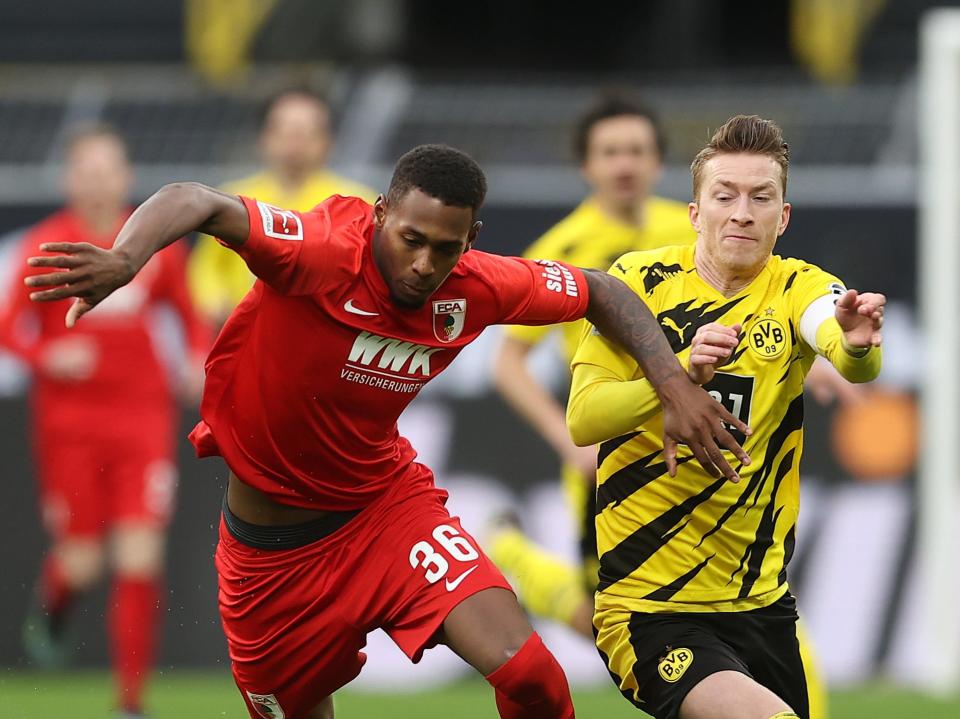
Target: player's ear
694, 211
472, 235
784, 218
379, 211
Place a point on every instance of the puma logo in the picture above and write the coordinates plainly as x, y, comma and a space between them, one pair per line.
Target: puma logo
670, 323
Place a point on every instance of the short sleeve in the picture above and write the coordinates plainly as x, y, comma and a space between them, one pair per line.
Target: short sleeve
538, 292
287, 249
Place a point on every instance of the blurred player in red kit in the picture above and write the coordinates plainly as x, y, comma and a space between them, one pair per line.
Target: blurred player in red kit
330, 527
104, 421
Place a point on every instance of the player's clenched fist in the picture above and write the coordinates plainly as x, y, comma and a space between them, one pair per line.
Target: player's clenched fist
712, 345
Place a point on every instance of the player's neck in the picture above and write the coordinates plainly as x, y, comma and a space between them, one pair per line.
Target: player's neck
726, 282
633, 213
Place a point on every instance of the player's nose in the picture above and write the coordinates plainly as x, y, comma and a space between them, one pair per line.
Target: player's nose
423, 264
742, 213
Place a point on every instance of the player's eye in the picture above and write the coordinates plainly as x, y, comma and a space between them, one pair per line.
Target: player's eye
761, 198
412, 241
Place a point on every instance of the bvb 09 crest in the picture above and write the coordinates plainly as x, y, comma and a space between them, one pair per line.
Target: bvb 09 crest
674, 664
767, 338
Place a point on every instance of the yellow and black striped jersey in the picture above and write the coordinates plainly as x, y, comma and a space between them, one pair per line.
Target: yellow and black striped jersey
589, 238
692, 542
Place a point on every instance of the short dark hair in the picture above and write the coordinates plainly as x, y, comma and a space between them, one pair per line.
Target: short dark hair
443, 172
299, 91
613, 104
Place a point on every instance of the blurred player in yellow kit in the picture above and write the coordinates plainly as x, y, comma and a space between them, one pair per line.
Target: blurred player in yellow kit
619, 146
295, 141
693, 617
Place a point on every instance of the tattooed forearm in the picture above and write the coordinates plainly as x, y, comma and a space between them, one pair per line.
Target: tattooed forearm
621, 316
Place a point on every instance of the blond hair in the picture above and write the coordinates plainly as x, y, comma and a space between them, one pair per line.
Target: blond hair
744, 133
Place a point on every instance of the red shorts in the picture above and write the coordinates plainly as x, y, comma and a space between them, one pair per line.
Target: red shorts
87, 486
296, 619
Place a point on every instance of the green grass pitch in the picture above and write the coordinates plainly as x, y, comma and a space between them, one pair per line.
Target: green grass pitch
184, 695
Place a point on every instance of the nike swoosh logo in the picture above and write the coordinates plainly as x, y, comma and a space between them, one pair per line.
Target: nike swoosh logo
451, 585
348, 306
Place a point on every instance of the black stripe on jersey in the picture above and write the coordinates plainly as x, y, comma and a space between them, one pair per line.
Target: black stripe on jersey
765, 529
632, 552
686, 321
665, 594
627, 480
789, 282
611, 445
792, 420
789, 544
795, 352
742, 346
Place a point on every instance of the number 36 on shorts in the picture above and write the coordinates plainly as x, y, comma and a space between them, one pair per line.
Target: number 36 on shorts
427, 555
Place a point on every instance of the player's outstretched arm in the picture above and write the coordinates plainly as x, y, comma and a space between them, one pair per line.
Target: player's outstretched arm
90, 273
690, 415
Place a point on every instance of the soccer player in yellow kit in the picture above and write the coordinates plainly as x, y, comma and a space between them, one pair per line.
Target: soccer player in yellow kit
693, 614
619, 145
295, 141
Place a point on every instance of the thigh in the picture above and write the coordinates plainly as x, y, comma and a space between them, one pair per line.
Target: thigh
288, 622
72, 493
428, 564
142, 479
767, 639
657, 659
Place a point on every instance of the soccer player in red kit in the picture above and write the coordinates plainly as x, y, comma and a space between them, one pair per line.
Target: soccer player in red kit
104, 421
330, 527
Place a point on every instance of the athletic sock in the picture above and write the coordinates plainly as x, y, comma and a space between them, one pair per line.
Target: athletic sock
531, 685
547, 586
54, 593
134, 623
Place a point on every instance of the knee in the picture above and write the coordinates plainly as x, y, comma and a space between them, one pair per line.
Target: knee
138, 551
80, 561
532, 676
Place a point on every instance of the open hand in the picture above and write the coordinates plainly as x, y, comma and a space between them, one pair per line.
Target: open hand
86, 272
694, 418
861, 316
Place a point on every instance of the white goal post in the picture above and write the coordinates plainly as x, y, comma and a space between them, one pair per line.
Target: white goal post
938, 288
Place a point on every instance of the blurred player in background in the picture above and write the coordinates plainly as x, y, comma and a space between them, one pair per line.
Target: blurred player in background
103, 422
693, 615
619, 145
296, 140
330, 527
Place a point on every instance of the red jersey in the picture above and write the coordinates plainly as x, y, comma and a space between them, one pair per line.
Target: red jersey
312, 370
128, 390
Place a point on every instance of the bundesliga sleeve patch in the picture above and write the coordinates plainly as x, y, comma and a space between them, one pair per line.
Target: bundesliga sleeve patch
280, 224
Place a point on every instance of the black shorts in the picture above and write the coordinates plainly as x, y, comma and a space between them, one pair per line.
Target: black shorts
655, 659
